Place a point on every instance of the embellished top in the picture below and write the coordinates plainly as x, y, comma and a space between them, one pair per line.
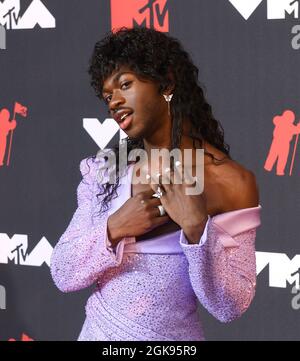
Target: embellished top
148, 290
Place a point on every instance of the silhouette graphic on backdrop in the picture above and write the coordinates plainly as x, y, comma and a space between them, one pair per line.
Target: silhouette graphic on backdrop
283, 133
24, 337
7, 126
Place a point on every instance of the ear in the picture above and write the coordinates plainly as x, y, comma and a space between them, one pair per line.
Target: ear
169, 86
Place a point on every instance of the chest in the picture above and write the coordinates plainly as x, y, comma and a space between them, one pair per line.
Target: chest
212, 194
213, 190
213, 201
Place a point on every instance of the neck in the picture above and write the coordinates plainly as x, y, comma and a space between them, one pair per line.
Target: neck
159, 139
162, 139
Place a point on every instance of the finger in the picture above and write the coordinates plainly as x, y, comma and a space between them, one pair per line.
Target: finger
165, 179
170, 174
155, 183
154, 202
153, 187
156, 212
159, 179
160, 220
148, 193
154, 179
177, 173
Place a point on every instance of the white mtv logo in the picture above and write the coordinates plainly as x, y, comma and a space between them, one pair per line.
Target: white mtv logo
15, 249
103, 133
281, 268
277, 9
35, 14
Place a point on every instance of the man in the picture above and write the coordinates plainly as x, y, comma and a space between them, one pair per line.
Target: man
153, 255
127, 89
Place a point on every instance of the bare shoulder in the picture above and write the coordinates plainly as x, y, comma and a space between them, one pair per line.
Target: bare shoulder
236, 183
239, 187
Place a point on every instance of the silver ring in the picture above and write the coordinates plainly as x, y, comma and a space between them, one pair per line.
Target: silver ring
158, 194
162, 211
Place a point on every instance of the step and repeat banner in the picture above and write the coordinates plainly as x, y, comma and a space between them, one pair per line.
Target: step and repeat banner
248, 54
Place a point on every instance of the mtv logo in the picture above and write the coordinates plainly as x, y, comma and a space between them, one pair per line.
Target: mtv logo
152, 14
245, 8
282, 269
36, 13
8, 7
277, 9
103, 133
14, 250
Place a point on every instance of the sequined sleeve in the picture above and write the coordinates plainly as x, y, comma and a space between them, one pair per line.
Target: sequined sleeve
222, 268
83, 251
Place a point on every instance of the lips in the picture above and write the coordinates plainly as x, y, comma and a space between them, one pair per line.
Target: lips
126, 121
121, 115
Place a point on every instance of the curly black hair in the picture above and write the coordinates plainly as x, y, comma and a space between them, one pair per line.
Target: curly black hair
151, 54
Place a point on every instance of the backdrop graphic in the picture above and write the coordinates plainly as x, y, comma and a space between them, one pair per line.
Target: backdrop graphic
248, 54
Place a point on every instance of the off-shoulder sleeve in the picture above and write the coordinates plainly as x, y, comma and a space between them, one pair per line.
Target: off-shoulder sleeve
222, 266
84, 251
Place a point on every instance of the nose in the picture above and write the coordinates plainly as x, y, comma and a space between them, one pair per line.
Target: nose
116, 101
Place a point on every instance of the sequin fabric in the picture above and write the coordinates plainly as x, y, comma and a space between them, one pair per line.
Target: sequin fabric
151, 297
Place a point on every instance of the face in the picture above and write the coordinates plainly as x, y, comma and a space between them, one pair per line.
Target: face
124, 93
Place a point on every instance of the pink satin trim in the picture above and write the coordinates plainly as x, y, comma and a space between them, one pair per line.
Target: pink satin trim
230, 224
240, 220
165, 244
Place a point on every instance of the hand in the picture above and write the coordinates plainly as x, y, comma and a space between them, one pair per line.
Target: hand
138, 215
188, 211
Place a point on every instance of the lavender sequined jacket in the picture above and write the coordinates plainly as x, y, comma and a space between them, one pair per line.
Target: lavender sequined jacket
148, 290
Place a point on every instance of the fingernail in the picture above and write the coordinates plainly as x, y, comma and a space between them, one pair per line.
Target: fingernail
177, 163
148, 176
167, 170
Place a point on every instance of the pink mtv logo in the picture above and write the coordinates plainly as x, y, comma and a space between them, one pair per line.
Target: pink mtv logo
147, 13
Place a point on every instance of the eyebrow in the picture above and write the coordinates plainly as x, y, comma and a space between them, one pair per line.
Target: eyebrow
116, 78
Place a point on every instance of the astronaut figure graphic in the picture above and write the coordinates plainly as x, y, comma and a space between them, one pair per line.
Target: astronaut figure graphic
283, 133
5, 126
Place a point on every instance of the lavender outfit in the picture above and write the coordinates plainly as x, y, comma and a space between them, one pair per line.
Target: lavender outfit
148, 290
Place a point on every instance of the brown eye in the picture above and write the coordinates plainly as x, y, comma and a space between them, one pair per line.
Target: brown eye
106, 99
126, 83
